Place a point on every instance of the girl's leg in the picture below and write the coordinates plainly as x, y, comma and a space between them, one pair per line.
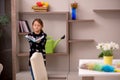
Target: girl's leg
44, 57
32, 73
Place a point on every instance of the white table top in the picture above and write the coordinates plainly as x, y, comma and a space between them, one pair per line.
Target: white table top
1, 68
84, 72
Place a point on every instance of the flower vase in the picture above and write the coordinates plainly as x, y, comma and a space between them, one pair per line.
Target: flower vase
108, 60
73, 14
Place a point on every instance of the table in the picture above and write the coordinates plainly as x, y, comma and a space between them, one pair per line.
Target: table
1, 68
89, 74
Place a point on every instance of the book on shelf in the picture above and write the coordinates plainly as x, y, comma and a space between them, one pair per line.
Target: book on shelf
24, 26
20, 27
28, 26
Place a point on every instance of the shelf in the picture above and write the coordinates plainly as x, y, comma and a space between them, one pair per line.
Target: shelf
106, 10
27, 54
80, 40
36, 13
23, 54
82, 20
58, 53
51, 75
22, 33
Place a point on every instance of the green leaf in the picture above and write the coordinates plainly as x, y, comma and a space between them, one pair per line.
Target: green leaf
4, 20
101, 55
108, 53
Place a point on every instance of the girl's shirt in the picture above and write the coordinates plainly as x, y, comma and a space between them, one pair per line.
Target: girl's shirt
37, 42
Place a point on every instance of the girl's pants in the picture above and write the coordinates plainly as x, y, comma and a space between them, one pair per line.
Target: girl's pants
32, 73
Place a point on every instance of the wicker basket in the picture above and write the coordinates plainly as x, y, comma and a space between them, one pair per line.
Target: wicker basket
40, 9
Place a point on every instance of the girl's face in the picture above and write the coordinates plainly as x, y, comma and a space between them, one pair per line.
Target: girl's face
37, 27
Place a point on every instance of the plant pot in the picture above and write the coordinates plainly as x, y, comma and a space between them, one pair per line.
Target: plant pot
74, 14
108, 60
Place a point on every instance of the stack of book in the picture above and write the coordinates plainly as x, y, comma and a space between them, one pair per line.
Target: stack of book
24, 26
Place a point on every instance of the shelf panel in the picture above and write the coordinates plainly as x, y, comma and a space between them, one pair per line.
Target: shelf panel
23, 54
106, 10
82, 20
36, 13
51, 75
27, 54
80, 40
23, 33
58, 53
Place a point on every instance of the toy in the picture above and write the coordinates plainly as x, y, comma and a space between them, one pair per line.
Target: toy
84, 66
40, 6
91, 66
108, 68
51, 44
118, 65
117, 70
99, 67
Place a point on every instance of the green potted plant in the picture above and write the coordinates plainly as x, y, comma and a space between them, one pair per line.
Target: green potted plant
107, 51
4, 20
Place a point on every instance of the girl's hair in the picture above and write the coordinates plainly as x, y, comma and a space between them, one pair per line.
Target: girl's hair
38, 20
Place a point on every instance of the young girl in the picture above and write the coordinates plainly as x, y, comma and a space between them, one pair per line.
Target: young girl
37, 40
